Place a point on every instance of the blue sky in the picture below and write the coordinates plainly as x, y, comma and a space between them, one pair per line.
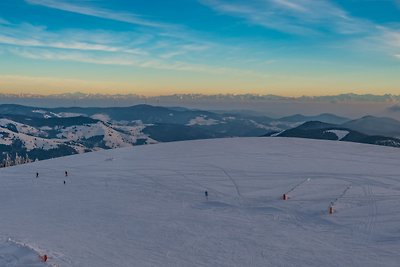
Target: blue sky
284, 47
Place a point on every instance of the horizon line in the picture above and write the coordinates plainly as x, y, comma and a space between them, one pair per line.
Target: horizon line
83, 94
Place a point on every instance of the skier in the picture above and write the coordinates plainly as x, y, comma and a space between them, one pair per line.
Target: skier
64, 181
206, 194
66, 173
37, 174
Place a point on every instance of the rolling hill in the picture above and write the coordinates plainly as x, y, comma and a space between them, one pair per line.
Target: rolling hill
371, 125
326, 131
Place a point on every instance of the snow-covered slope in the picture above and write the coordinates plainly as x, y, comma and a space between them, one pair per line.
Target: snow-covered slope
145, 205
109, 136
339, 133
16, 254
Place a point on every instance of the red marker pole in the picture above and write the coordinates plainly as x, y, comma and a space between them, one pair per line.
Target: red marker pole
331, 210
43, 258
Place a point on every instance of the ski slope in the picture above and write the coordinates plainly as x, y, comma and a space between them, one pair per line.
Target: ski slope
145, 206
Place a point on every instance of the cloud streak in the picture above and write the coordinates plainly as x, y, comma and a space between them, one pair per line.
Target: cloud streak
160, 41
161, 29
138, 49
99, 13
311, 18
143, 49
3, 21
34, 36
385, 40
297, 17
76, 56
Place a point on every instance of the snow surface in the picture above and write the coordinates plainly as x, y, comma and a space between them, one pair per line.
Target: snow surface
112, 138
262, 126
339, 133
47, 114
22, 128
13, 254
69, 114
201, 120
39, 111
30, 142
145, 205
101, 117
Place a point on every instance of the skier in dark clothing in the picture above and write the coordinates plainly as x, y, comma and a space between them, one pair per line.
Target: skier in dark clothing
64, 181
37, 175
66, 173
206, 194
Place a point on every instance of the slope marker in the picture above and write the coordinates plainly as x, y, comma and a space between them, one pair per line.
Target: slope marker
286, 195
331, 207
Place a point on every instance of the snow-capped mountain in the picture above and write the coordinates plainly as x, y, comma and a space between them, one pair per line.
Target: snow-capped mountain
146, 206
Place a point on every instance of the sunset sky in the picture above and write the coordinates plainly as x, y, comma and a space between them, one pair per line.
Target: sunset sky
159, 47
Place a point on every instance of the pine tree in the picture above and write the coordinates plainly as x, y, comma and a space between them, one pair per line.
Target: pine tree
27, 159
17, 160
8, 161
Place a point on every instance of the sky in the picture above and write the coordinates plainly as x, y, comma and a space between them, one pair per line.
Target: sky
158, 47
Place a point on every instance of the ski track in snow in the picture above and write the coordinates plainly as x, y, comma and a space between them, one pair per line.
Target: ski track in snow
146, 206
372, 211
16, 254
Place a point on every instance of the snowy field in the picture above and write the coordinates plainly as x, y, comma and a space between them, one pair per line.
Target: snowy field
145, 206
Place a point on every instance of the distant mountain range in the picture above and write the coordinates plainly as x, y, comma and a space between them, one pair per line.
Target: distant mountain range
217, 97
30, 133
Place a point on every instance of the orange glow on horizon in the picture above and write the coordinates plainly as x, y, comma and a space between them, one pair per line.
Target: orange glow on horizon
48, 86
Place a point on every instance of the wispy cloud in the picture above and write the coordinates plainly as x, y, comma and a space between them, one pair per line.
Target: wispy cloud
312, 18
391, 36
184, 49
298, 17
146, 45
150, 26
34, 36
76, 56
385, 40
172, 54
160, 41
79, 8
291, 5
143, 49
3, 21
